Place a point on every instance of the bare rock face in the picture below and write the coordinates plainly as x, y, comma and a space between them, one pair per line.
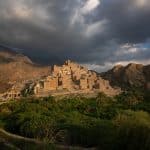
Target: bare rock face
134, 74
15, 67
131, 75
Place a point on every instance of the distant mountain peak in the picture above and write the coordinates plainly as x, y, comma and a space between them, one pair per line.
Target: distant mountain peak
8, 54
116, 67
134, 65
131, 75
6, 49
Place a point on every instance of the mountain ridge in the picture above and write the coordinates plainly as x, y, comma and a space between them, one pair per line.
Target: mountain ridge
127, 76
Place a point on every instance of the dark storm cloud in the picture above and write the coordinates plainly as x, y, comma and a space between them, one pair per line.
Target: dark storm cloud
87, 31
128, 19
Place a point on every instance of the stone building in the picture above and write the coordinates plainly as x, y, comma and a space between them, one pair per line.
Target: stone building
73, 77
37, 88
51, 83
67, 82
83, 83
13, 93
91, 83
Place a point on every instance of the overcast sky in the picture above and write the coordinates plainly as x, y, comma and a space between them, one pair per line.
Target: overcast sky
98, 33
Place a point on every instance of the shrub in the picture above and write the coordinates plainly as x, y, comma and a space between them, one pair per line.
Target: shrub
133, 130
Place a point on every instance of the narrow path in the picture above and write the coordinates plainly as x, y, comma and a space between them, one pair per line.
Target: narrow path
20, 137
58, 147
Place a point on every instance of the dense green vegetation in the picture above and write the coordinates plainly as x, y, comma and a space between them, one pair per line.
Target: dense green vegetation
122, 122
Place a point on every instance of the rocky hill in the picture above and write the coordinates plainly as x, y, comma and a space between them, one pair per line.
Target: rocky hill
131, 75
15, 67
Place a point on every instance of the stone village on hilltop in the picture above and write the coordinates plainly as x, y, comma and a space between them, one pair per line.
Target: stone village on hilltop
73, 78
70, 78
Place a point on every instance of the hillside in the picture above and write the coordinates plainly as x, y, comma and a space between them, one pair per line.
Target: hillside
131, 75
15, 67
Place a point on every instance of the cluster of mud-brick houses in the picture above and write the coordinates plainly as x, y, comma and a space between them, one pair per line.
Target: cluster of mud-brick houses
72, 77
